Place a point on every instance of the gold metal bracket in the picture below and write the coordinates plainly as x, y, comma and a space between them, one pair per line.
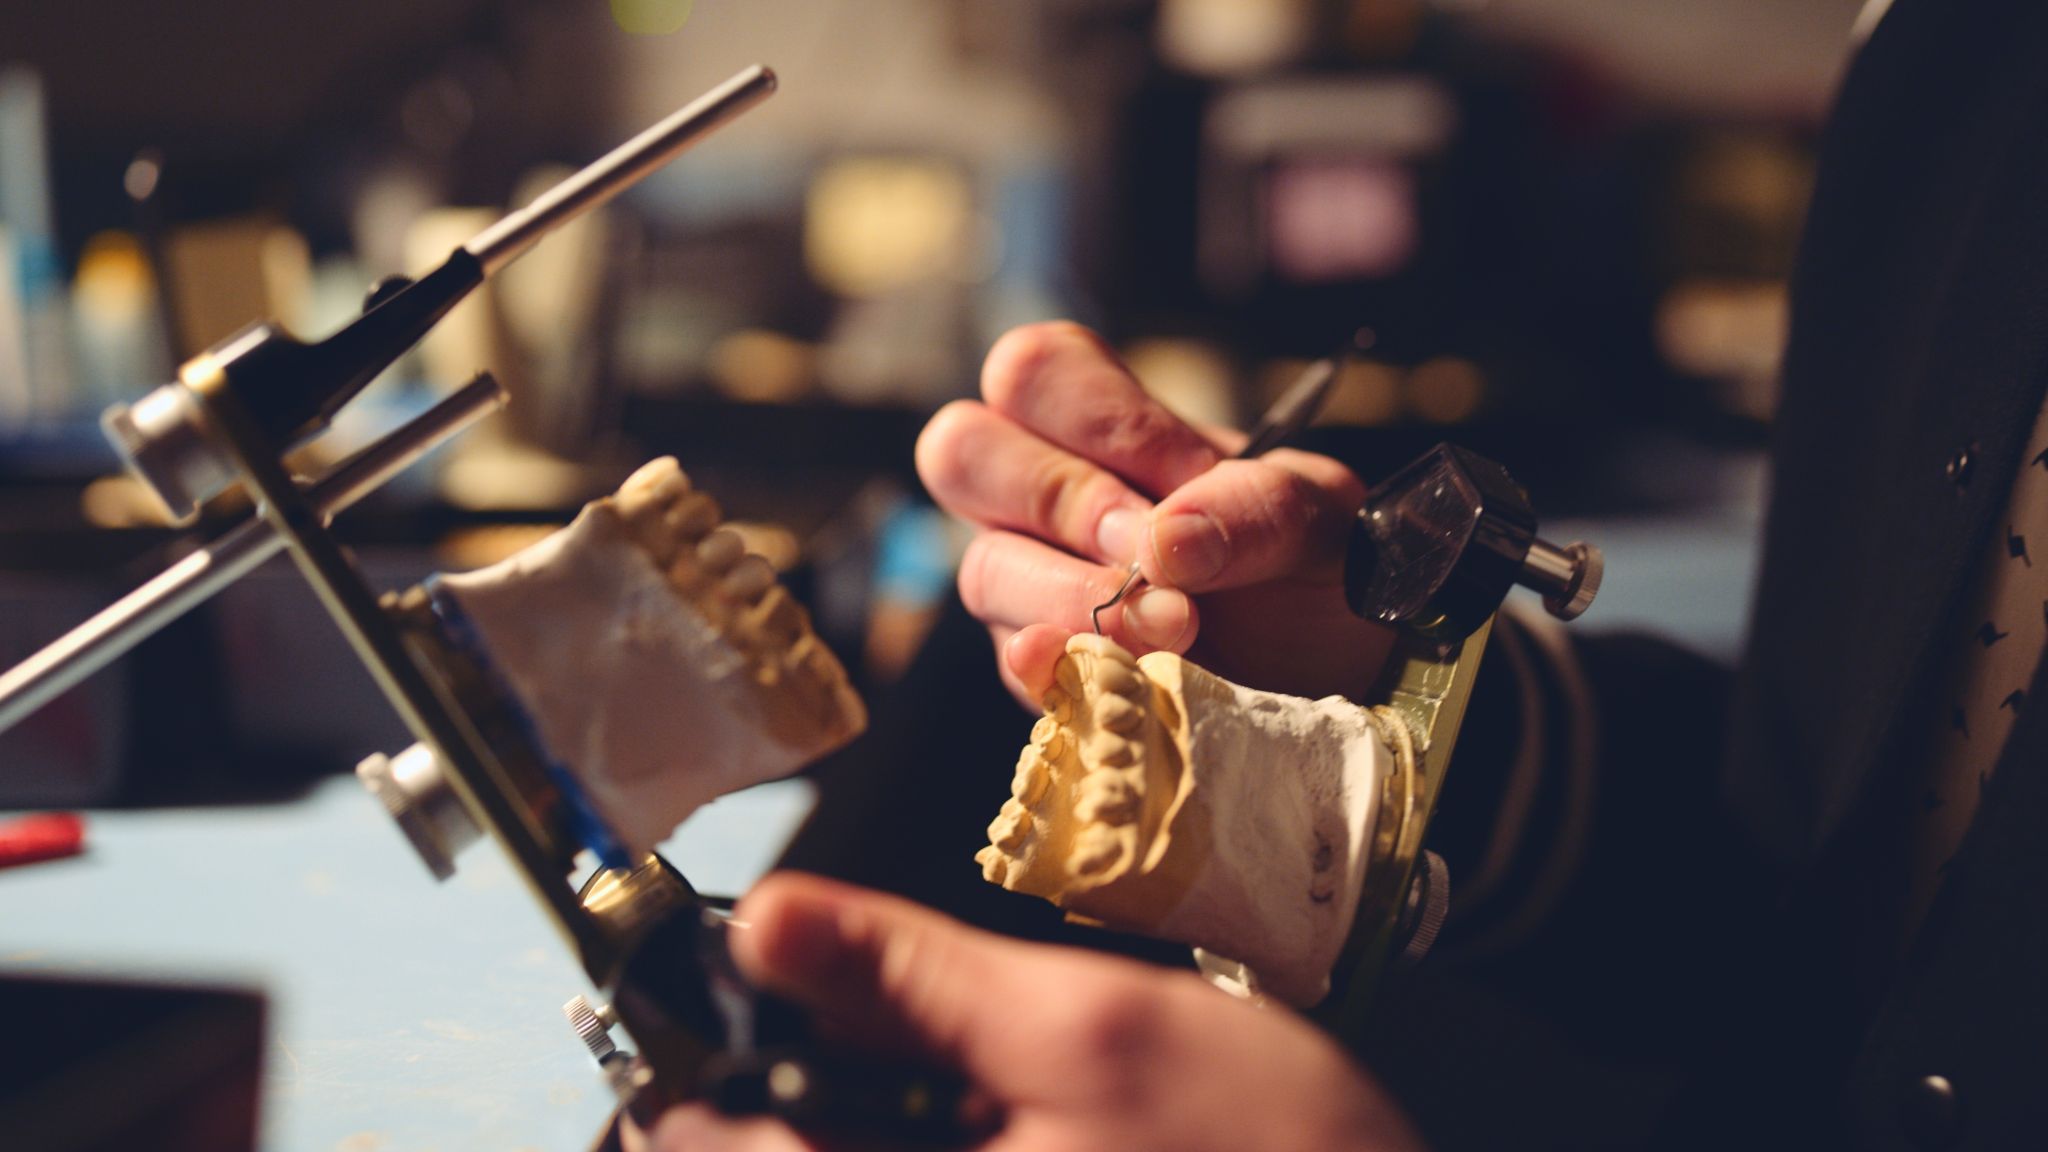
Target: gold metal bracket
1428, 685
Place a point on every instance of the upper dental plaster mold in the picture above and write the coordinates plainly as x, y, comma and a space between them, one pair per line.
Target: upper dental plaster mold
661, 664
1157, 797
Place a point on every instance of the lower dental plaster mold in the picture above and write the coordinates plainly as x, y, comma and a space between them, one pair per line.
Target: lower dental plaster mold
1159, 798
661, 664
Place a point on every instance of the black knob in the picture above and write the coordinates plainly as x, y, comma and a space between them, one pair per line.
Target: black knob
1438, 544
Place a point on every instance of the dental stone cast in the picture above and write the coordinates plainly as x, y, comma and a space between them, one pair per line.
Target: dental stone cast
661, 664
1159, 798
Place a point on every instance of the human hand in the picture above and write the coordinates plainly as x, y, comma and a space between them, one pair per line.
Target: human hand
1070, 471
1072, 1050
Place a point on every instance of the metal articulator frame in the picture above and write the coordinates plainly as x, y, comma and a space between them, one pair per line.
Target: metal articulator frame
635, 931
1428, 683
474, 769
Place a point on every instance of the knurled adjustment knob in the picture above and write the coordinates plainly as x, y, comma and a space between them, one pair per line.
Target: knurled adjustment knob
593, 1024
414, 789
1429, 904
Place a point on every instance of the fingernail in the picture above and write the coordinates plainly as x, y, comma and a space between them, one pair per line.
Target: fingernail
1189, 548
1117, 534
1158, 617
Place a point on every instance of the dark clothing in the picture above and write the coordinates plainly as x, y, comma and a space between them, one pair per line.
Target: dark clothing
1728, 971
1920, 334
1730, 967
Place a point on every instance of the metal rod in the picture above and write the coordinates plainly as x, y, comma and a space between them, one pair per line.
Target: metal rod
191, 581
1568, 578
1548, 569
619, 169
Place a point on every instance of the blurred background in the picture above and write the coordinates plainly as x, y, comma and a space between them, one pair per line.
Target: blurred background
1568, 221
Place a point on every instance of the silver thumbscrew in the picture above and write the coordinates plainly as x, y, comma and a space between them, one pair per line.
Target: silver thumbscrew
1567, 577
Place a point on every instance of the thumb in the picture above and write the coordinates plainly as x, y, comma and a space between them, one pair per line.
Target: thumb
1245, 522
892, 974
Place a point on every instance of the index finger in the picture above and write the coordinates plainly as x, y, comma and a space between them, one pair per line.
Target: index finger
1060, 381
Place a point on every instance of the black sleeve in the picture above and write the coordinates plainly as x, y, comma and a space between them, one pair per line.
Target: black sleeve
1563, 1004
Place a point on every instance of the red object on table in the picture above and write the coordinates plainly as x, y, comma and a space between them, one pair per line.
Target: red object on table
44, 836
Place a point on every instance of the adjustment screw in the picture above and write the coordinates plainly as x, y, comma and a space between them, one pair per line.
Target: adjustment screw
788, 1082
593, 1024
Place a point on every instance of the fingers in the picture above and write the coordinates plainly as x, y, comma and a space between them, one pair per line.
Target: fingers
854, 954
1007, 580
983, 466
1028, 658
1019, 1020
1069, 443
698, 1128
1059, 381
1248, 521
1070, 1049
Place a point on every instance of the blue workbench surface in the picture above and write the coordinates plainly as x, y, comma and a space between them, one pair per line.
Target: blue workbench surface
405, 1015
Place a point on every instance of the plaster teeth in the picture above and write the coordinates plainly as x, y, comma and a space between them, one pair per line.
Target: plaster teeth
1109, 797
1096, 849
1056, 744
1114, 751
750, 579
737, 595
691, 517
805, 647
779, 618
1032, 778
818, 660
645, 501
1011, 827
664, 667
1165, 800
719, 551
1059, 706
1075, 781
687, 577
659, 479
1043, 732
1116, 676
1118, 714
